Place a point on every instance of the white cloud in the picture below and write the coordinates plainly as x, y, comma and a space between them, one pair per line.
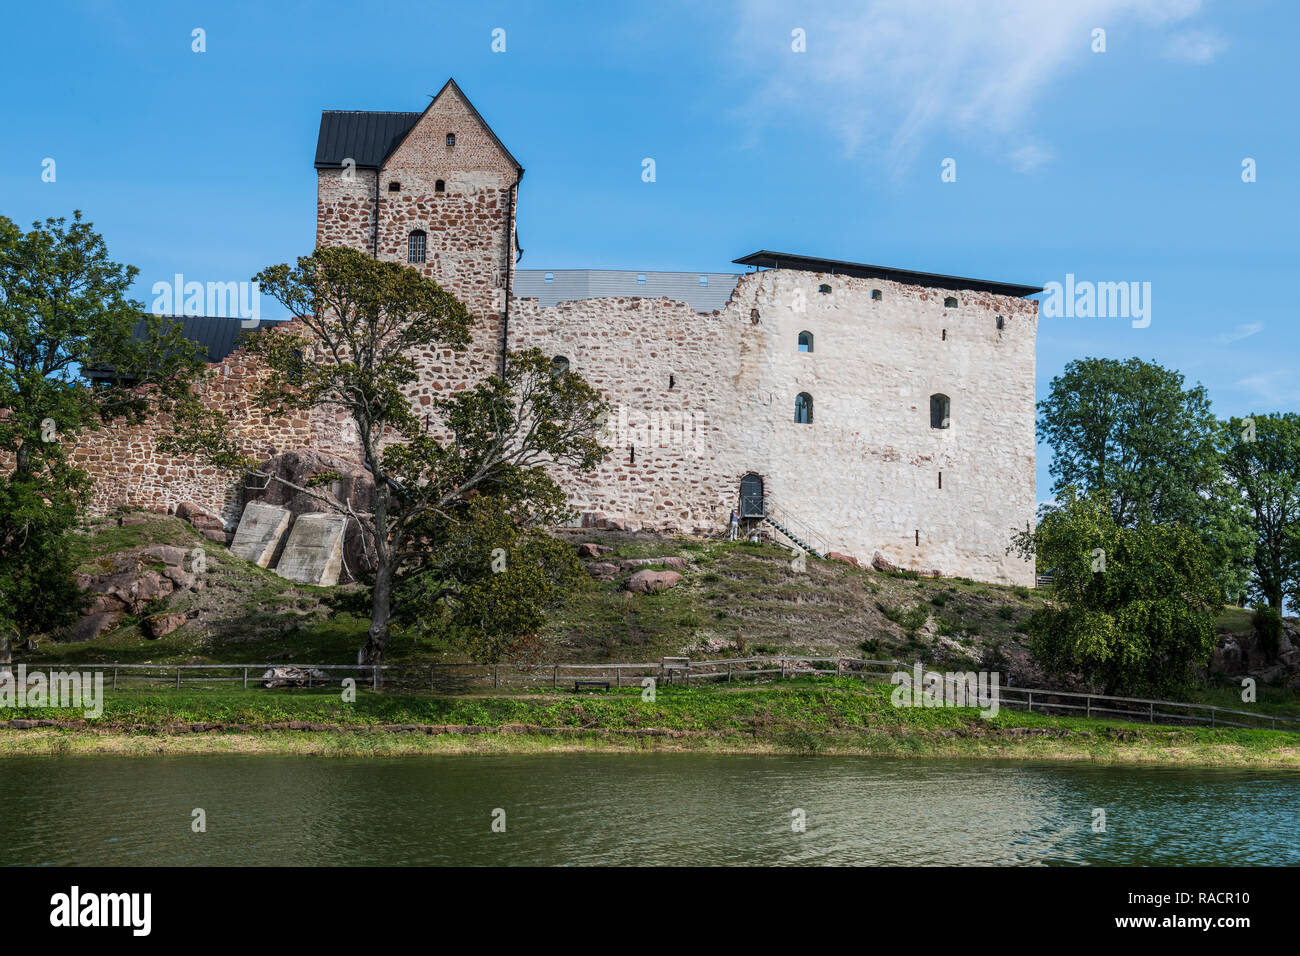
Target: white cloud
1242, 331
1196, 47
1029, 157
892, 76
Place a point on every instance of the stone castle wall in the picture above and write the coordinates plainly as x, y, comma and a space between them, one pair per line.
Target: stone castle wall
698, 400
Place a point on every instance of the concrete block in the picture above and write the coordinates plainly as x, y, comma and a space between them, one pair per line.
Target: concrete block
261, 529
314, 551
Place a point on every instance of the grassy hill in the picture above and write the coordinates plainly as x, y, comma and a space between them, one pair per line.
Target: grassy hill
735, 599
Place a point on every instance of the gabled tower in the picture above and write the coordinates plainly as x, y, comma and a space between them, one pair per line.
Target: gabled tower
435, 190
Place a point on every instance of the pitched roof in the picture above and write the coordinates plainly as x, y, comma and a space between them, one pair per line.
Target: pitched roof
933, 280
365, 137
369, 138
217, 334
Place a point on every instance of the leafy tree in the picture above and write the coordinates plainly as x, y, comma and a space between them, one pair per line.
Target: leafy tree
64, 309
1132, 609
1262, 460
361, 323
1130, 432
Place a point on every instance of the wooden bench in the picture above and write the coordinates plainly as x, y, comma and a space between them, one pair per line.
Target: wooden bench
604, 684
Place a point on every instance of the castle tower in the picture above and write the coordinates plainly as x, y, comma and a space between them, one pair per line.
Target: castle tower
435, 190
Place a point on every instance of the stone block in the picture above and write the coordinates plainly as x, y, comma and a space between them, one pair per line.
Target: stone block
314, 552
261, 530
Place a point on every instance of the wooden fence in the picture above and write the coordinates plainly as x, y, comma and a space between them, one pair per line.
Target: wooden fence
675, 671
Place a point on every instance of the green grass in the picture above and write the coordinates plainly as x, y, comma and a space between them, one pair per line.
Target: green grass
797, 716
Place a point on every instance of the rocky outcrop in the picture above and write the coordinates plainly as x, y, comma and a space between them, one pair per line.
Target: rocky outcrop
1243, 655
845, 558
127, 584
602, 570
590, 550
881, 563
204, 522
652, 582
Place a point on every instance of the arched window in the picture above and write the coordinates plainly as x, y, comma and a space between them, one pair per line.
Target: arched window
1001, 323
439, 186
950, 302
803, 408
940, 411
824, 289
415, 246
559, 364
805, 341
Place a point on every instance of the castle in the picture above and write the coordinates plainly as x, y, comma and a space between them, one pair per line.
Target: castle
852, 407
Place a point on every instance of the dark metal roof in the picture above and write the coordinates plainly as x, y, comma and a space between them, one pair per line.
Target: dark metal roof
365, 137
933, 280
369, 137
218, 334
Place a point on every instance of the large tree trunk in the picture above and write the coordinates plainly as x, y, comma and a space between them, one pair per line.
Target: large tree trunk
372, 652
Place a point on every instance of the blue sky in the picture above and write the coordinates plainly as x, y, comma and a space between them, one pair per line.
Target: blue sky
1123, 165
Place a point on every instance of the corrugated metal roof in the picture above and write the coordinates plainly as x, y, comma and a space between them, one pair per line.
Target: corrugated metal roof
365, 137
932, 280
567, 285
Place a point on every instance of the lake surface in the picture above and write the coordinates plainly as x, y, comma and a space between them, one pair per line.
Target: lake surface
576, 809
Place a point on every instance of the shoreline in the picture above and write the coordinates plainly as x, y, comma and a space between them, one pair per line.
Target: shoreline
380, 742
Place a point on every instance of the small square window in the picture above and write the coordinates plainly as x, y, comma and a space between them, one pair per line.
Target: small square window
875, 295
394, 186
451, 139
704, 280
640, 278
549, 277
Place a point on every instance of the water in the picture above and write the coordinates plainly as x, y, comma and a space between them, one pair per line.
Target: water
567, 809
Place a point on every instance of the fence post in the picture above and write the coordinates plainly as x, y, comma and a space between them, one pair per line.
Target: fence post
1089, 706
178, 678
688, 673
496, 675
728, 672
1031, 702
245, 678
555, 678
1151, 719
783, 668
114, 678
374, 677
1213, 711
618, 675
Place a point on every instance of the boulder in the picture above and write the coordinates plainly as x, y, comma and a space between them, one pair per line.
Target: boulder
590, 550
843, 558
652, 582
602, 571
169, 555
880, 563
160, 625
